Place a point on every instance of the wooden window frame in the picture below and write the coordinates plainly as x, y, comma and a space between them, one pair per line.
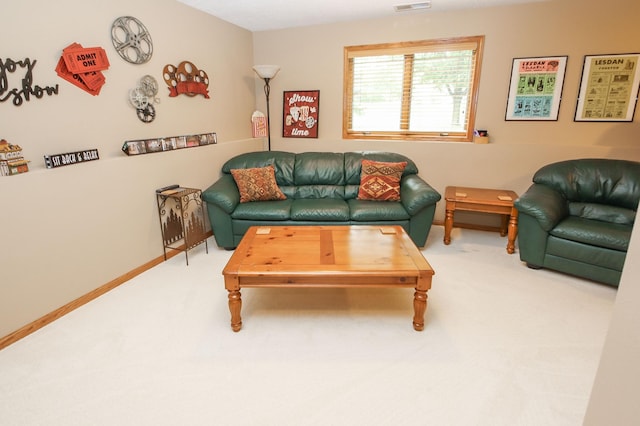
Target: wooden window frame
408, 49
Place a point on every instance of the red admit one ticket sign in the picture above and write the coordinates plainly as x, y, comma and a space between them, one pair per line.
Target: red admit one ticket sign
89, 81
81, 60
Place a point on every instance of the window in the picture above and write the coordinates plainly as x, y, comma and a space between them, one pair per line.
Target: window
423, 90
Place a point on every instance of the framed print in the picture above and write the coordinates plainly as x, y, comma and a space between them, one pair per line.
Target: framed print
300, 115
535, 89
608, 88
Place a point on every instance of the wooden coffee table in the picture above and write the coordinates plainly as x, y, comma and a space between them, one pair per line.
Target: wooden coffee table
327, 256
483, 200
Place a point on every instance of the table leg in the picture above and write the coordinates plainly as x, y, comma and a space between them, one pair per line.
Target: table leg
448, 224
420, 302
513, 231
504, 220
235, 304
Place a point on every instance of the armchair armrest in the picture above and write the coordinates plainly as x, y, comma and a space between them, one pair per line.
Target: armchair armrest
223, 193
544, 204
416, 194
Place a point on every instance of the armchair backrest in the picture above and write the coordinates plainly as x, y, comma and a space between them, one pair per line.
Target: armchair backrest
594, 180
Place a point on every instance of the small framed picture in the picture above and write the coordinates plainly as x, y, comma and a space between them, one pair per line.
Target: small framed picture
608, 88
154, 145
301, 113
193, 140
169, 144
535, 89
136, 147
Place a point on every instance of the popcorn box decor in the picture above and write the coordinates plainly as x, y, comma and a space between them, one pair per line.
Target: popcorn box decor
11, 160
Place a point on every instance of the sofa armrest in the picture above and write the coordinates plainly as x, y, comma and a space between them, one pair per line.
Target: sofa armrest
416, 194
223, 193
544, 204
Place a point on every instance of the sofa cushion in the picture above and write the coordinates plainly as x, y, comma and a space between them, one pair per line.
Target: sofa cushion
264, 210
319, 191
257, 184
563, 253
373, 211
603, 212
594, 232
322, 209
319, 168
380, 180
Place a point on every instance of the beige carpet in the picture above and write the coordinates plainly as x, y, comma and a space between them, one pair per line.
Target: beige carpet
503, 345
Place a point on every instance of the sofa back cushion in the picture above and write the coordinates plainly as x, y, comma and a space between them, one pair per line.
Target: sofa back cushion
594, 181
603, 213
283, 162
319, 168
316, 174
319, 175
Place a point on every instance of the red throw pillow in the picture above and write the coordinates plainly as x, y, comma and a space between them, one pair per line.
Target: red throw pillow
380, 180
257, 184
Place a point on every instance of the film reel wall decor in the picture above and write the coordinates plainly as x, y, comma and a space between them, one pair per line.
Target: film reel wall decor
142, 98
186, 79
131, 40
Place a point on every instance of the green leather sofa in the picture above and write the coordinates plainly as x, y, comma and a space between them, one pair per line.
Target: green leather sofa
577, 217
321, 189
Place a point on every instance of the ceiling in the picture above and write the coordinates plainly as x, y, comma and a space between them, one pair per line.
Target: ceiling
261, 15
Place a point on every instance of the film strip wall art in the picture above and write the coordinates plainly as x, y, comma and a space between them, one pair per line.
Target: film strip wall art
148, 146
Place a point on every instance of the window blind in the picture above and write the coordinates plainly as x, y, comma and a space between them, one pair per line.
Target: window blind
414, 89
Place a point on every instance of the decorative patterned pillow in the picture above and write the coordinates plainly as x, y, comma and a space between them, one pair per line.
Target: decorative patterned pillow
257, 184
380, 180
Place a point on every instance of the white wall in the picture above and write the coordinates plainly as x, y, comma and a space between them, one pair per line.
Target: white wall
312, 58
614, 398
69, 230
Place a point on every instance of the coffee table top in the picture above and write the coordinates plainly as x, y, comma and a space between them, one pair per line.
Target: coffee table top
298, 251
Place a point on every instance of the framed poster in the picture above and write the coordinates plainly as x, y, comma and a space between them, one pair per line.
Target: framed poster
608, 88
300, 115
535, 89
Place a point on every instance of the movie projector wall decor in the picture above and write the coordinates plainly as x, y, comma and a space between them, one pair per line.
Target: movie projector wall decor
143, 97
186, 79
131, 40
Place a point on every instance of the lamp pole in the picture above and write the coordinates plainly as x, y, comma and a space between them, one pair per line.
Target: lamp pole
267, 72
267, 90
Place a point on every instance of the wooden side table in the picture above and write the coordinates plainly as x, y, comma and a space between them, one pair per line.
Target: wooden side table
483, 200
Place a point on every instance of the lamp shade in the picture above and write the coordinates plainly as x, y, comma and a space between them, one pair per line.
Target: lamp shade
266, 71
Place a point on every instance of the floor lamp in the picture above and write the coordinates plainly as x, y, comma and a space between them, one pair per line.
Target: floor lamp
267, 72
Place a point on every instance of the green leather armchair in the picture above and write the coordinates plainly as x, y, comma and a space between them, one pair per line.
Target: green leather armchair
577, 217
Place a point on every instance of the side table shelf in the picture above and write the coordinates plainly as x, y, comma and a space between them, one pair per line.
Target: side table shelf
182, 220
